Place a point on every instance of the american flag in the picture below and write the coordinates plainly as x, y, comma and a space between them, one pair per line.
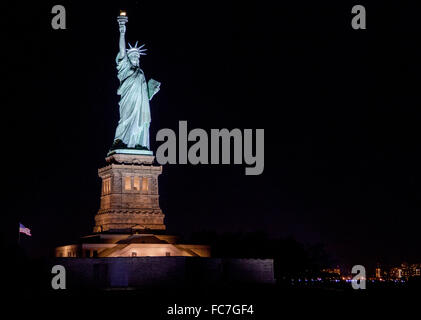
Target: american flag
23, 229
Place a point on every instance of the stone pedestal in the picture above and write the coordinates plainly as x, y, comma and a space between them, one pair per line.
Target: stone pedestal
129, 222
129, 196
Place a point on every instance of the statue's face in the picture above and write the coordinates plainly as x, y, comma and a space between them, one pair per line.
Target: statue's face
134, 59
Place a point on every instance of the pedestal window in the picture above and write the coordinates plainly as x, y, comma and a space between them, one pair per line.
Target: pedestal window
145, 184
127, 183
136, 183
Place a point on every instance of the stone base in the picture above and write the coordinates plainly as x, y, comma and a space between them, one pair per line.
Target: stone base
130, 196
130, 158
129, 219
128, 245
141, 272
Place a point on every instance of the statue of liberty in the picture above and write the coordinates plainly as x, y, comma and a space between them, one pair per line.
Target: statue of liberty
135, 116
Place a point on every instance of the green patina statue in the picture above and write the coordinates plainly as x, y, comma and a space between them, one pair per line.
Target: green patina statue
135, 116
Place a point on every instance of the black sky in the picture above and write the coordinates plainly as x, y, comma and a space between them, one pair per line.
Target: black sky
340, 109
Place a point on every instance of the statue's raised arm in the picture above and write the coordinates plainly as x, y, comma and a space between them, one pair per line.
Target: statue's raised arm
122, 20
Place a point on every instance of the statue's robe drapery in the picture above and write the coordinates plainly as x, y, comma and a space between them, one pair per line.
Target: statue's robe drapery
135, 115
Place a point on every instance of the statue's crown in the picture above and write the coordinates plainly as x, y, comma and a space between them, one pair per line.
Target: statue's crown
136, 49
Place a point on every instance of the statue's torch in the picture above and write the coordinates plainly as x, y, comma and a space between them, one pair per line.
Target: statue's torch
122, 18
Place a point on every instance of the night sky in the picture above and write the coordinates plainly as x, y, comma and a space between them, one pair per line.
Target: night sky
340, 109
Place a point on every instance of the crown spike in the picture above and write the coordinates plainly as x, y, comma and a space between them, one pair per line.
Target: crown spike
136, 49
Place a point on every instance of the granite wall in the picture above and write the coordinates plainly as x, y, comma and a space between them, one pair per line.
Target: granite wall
155, 271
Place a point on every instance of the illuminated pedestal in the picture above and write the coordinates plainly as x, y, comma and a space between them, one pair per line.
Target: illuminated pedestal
129, 222
112, 245
129, 194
